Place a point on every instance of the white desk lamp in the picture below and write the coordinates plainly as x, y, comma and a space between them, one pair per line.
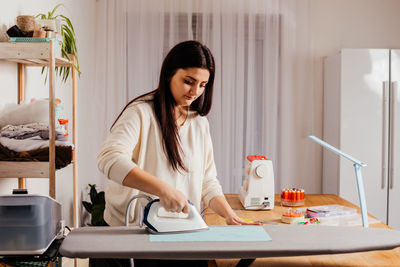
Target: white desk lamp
357, 168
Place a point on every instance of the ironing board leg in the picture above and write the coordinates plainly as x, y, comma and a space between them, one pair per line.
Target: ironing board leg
245, 262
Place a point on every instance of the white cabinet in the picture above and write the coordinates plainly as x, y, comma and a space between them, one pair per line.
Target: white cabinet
362, 118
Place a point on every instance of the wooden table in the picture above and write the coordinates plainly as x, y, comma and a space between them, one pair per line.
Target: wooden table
373, 258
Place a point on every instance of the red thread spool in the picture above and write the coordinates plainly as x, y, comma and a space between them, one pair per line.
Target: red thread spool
292, 197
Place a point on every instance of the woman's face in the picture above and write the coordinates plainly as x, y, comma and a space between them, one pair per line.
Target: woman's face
188, 84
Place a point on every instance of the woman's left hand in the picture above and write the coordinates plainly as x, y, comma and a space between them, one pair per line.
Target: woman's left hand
222, 208
236, 220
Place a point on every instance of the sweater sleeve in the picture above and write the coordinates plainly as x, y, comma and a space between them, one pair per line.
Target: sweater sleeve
211, 186
115, 158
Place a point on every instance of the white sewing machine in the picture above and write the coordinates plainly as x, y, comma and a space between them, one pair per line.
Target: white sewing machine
257, 191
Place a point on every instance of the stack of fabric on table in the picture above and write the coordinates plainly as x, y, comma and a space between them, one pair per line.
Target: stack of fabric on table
24, 135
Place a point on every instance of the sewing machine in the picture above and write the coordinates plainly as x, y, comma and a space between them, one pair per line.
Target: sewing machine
257, 191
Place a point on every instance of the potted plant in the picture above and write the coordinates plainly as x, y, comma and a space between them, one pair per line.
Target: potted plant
68, 46
96, 207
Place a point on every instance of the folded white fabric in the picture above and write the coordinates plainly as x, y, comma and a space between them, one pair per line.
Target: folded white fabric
25, 128
19, 114
30, 130
29, 144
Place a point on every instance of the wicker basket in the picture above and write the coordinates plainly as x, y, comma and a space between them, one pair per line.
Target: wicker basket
27, 24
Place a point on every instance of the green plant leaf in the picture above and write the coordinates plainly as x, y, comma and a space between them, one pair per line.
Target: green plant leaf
66, 73
68, 44
70, 38
68, 21
63, 74
58, 71
41, 16
51, 14
44, 69
98, 215
96, 208
65, 54
88, 206
93, 193
99, 199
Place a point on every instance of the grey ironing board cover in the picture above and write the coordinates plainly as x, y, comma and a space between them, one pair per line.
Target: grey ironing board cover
287, 240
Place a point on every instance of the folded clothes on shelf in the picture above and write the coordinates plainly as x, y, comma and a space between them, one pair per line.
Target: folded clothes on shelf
31, 130
31, 143
63, 154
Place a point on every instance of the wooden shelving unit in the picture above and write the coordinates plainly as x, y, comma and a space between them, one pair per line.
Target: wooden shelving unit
39, 55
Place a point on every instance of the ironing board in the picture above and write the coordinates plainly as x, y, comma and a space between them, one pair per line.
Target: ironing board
287, 240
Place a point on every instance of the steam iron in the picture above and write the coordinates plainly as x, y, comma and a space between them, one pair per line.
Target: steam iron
157, 222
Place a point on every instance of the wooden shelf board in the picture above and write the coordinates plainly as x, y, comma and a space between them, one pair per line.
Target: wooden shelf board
26, 169
31, 54
60, 62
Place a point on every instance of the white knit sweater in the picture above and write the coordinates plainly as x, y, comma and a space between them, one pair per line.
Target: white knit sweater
136, 140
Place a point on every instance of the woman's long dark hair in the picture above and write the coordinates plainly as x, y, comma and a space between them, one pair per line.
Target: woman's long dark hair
188, 54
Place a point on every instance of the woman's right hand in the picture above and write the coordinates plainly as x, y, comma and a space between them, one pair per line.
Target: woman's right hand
171, 199
174, 200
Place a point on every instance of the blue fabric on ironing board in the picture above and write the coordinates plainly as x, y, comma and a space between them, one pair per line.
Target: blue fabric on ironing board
216, 233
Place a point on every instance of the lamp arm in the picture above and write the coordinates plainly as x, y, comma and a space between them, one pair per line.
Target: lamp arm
361, 195
357, 168
337, 151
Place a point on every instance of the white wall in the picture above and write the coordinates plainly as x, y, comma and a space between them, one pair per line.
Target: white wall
82, 15
349, 24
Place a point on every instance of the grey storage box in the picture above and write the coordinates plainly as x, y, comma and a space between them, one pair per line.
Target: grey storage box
28, 224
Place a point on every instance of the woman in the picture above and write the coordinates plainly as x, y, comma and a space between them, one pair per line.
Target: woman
160, 144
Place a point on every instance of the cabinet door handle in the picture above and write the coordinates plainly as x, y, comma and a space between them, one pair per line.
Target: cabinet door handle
393, 103
385, 120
